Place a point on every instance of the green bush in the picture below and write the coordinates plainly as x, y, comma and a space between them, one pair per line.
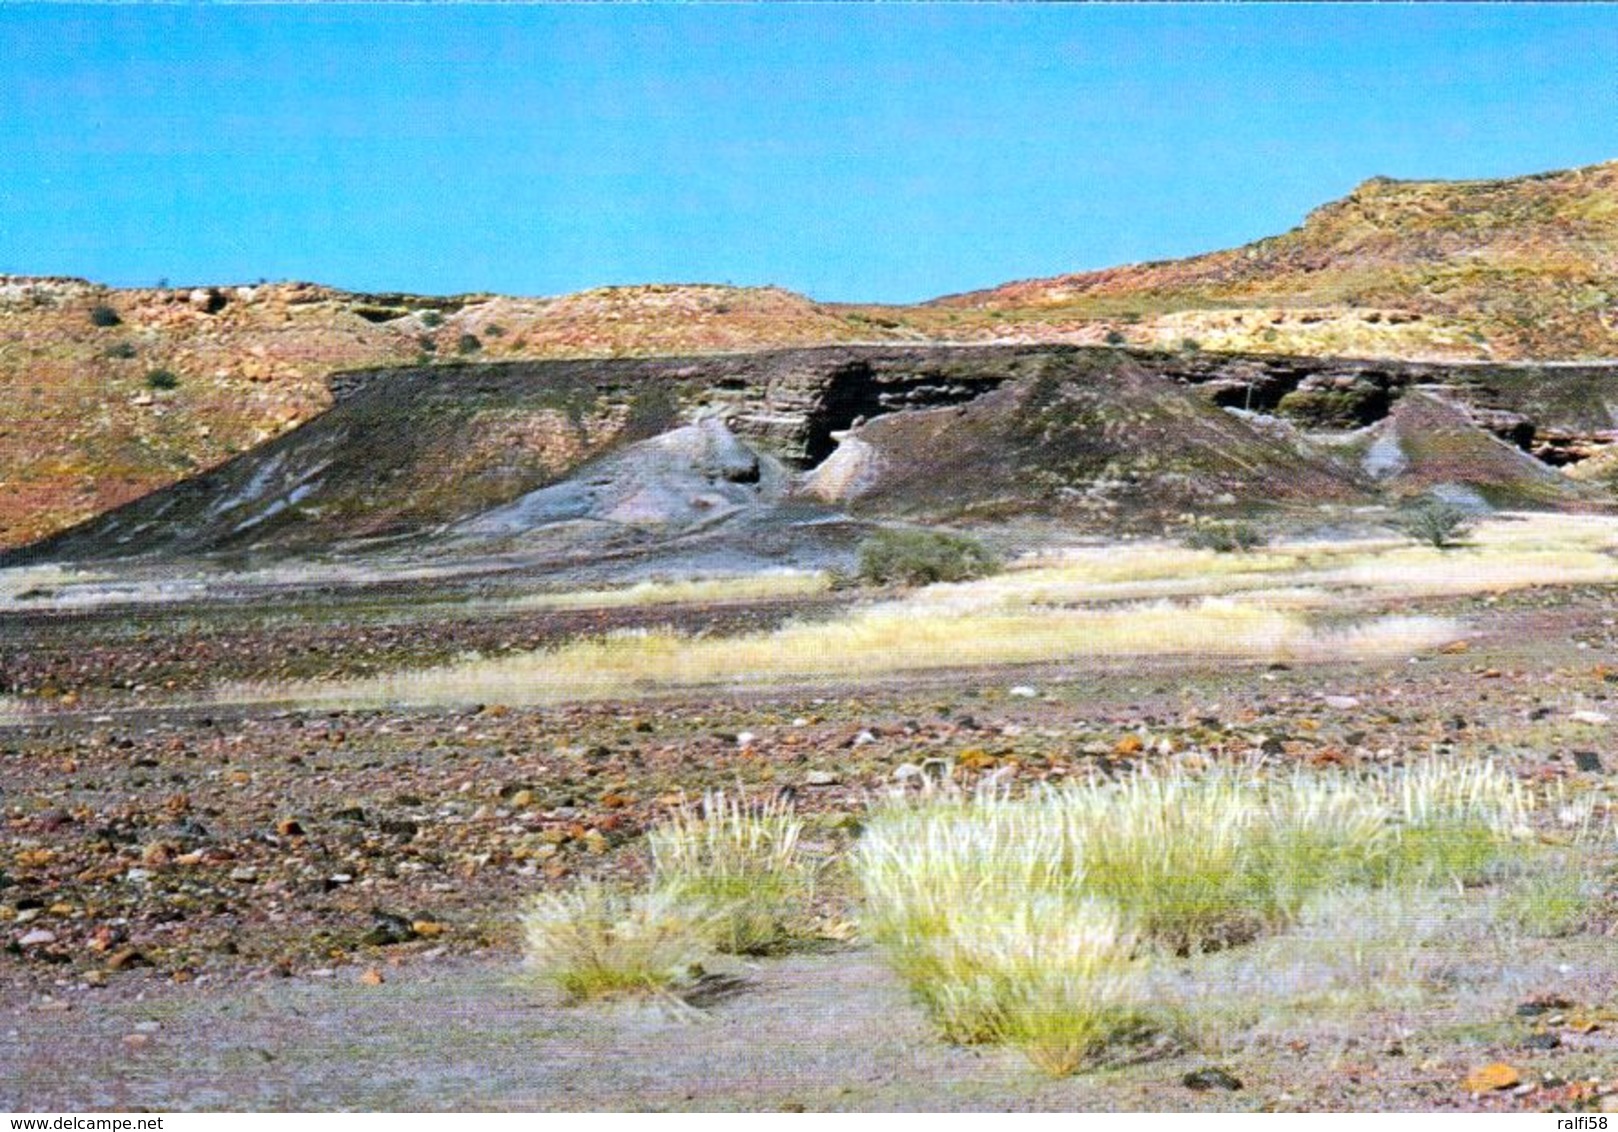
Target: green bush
1223, 536
468, 344
103, 315
121, 350
918, 558
1116, 338
1436, 522
162, 379
431, 319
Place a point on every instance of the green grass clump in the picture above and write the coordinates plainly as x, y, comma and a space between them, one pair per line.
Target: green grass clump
162, 379
597, 942
1554, 895
1454, 820
743, 863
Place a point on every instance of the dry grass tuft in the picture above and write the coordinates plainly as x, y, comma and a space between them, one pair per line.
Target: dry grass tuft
1034, 920
894, 637
707, 591
597, 942
744, 863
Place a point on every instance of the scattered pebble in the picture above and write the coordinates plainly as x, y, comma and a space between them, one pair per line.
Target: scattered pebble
1211, 1077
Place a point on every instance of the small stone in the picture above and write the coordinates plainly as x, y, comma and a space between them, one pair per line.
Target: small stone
746, 739
522, 799
1527, 1088
388, 930
372, 977
1593, 717
1128, 745
37, 938
244, 875
427, 928
904, 772
135, 1041
1022, 692
148, 1027
1342, 703
1542, 1004
289, 827
820, 778
127, 959
1545, 1040
864, 738
1588, 762
1211, 1077
1490, 1078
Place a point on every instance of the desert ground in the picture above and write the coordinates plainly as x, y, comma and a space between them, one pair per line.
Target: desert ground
271, 839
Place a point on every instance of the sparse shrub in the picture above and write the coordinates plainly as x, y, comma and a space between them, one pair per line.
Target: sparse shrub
103, 315
1223, 536
1435, 521
1190, 345
468, 344
918, 558
594, 942
162, 379
740, 861
120, 350
494, 330
431, 319
1116, 338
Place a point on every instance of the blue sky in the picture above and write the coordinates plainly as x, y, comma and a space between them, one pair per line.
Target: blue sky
850, 152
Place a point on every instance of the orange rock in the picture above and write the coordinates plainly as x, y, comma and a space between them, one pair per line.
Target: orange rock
371, 977
1499, 1075
1128, 745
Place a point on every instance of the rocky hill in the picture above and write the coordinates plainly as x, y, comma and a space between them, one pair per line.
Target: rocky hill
568, 462
1520, 268
106, 395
